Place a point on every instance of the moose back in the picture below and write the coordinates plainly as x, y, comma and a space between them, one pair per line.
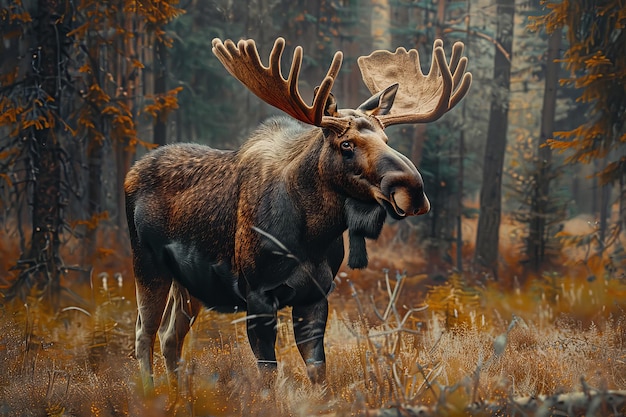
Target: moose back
261, 227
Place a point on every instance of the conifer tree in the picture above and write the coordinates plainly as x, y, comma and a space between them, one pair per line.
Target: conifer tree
596, 61
66, 72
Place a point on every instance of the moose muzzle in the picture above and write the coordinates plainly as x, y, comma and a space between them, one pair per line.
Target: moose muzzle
404, 196
401, 187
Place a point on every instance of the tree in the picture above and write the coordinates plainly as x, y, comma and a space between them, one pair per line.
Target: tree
64, 95
487, 237
537, 237
381, 35
596, 61
37, 104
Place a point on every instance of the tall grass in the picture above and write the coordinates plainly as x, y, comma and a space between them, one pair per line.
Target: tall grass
396, 344
476, 352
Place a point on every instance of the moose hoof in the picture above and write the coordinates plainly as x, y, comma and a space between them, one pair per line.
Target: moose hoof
317, 372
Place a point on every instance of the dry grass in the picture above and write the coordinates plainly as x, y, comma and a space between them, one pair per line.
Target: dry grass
381, 355
396, 345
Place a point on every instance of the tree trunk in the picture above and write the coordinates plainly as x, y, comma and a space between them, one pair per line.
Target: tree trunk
123, 160
123, 151
417, 144
95, 156
536, 244
160, 88
461, 175
41, 264
605, 213
381, 16
487, 239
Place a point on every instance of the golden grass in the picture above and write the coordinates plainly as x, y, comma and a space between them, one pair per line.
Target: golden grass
482, 347
396, 345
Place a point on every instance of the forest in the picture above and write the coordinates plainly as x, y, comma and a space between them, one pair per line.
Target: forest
507, 298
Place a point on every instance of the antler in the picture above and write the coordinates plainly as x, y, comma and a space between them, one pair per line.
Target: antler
243, 62
420, 98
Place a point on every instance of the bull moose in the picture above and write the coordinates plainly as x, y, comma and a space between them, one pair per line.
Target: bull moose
261, 227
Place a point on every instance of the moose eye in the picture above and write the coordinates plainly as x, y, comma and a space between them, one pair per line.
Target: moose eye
347, 148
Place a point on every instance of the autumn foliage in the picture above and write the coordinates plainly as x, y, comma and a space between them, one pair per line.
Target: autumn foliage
411, 335
60, 120
597, 67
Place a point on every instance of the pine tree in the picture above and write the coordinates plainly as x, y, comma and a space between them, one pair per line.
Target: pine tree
596, 61
31, 110
71, 88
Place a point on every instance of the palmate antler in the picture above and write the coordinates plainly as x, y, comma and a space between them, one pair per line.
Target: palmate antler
420, 98
243, 62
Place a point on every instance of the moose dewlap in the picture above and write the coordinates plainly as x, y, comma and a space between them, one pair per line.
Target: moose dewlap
261, 227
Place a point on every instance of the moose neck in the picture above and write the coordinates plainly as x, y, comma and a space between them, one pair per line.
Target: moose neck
330, 211
313, 194
281, 190
287, 166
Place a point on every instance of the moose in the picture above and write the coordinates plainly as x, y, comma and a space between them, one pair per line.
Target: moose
262, 227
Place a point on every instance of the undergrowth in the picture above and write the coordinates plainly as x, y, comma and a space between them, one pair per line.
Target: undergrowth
458, 349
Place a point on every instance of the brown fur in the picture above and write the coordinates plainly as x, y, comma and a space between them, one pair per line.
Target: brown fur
259, 228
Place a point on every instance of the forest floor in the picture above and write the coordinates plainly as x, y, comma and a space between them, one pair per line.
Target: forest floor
397, 343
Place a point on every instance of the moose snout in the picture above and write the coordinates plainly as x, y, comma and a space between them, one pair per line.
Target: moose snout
402, 186
406, 204
403, 194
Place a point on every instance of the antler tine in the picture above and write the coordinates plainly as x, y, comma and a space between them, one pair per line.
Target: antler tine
455, 57
243, 62
458, 65
420, 98
444, 72
461, 80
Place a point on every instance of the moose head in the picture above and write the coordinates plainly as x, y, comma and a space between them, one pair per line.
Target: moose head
357, 159
261, 227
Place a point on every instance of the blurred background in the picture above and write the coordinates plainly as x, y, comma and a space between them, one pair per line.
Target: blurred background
513, 285
526, 175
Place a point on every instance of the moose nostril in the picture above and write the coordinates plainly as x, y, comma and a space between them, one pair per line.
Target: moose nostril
397, 207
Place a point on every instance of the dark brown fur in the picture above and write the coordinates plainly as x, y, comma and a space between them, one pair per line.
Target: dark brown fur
260, 228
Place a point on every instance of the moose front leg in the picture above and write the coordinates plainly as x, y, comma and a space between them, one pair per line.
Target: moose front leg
309, 325
261, 326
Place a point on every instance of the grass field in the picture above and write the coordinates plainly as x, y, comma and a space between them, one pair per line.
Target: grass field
397, 345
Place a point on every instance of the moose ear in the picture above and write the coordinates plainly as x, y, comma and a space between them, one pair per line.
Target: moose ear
380, 103
330, 108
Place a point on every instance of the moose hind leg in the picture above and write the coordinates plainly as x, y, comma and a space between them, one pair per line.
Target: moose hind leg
309, 325
151, 299
180, 313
